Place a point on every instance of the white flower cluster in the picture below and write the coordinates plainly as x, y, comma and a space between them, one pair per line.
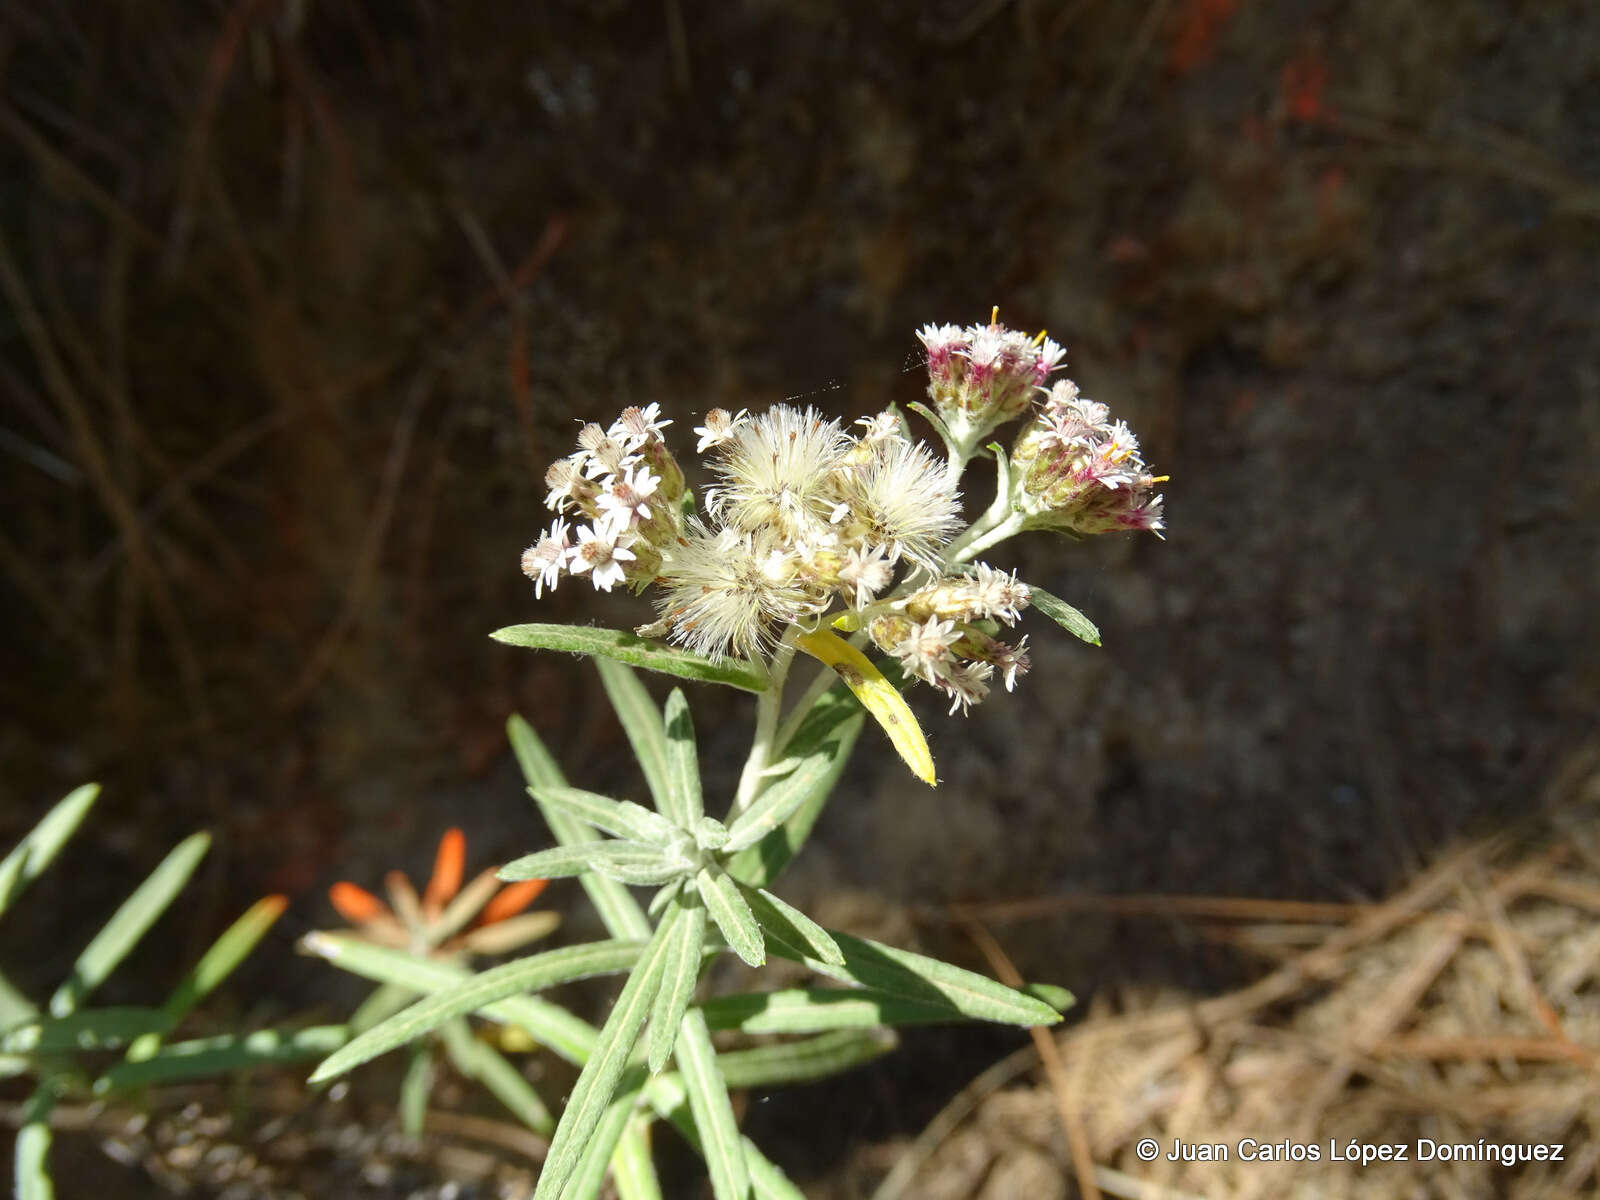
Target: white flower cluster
610, 481
805, 515
934, 633
1080, 471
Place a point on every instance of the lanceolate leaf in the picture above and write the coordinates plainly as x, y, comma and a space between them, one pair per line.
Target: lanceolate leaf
806, 1059
641, 721
38, 849
732, 915
779, 801
683, 762
713, 1111
90, 1029
624, 861
1064, 615
550, 1024
677, 982
605, 1143
130, 923
877, 696
621, 818
829, 730
478, 1060
635, 651
816, 1010
598, 1081
483, 989
226, 953
925, 982
785, 921
206, 1057
617, 908
32, 1156
667, 1097
631, 1168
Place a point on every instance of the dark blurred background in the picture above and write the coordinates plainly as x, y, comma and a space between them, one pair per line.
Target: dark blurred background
297, 301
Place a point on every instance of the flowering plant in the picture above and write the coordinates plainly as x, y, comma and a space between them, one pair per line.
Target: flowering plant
813, 539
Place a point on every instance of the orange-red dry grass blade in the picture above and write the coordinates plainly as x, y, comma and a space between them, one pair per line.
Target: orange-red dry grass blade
511, 900
448, 864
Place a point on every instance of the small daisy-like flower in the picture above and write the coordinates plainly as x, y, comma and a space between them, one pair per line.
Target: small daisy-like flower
568, 488
966, 685
601, 552
544, 561
719, 427
998, 594
728, 591
877, 428
1012, 661
901, 499
777, 471
636, 426
602, 453
866, 571
627, 501
925, 649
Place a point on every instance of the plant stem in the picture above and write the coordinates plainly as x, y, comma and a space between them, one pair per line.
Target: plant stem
768, 706
988, 537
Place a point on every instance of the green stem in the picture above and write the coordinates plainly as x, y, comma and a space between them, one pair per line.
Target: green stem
988, 537
768, 707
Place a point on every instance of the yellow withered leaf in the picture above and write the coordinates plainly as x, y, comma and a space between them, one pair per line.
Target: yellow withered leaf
877, 696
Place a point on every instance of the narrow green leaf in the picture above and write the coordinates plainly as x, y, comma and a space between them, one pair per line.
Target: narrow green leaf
621, 646
225, 954
480, 991
1002, 469
130, 923
778, 802
38, 849
550, 1024
1064, 615
924, 981
681, 974
15, 1008
712, 1109
621, 818
626, 862
223, 1055
816, 1010
806, 1059
90, 1029
669, 1100
934, 419
631, 1167
31, 1168
683, 762
598, 1081
477, 1059
732, 915
378, 1007
600, 1152
415, 1085
1057, 998
619, 911
785, 921
647, 734
838, 722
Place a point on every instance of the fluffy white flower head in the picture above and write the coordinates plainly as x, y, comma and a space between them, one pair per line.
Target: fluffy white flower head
777, 472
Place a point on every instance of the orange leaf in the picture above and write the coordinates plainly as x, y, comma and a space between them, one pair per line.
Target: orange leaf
355, 904
511, 900
447, 867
